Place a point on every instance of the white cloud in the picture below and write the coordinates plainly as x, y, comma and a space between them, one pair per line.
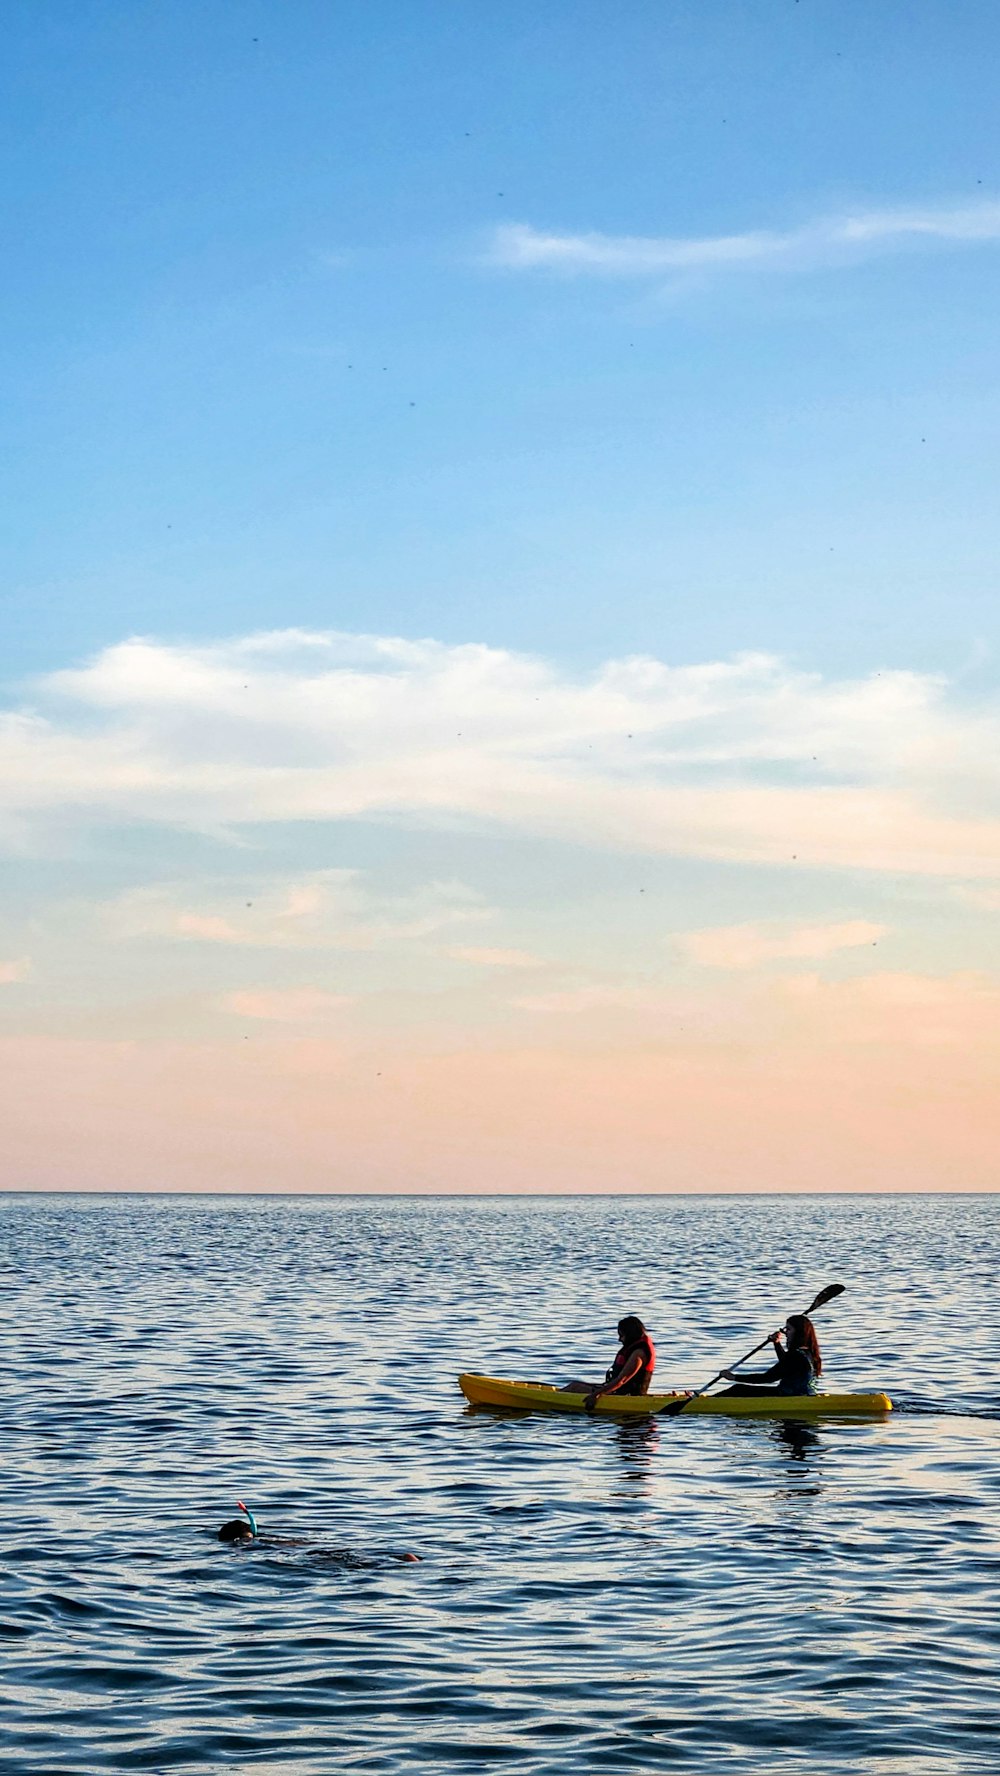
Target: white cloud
744, 759
286, 1005
520, 247
748, 946
15, 971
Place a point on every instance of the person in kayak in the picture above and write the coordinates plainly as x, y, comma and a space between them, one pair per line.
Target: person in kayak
632, 1370
797, 1363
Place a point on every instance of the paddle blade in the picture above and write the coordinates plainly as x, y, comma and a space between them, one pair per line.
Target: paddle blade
675, 1406
828, 1294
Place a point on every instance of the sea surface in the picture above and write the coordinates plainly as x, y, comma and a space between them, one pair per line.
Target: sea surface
697, 1595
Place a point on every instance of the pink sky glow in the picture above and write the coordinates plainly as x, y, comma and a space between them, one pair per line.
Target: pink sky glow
333, 913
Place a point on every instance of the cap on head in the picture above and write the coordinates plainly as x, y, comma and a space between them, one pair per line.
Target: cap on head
236, 1530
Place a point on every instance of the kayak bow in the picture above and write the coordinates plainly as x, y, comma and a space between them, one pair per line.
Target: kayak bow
535, 1396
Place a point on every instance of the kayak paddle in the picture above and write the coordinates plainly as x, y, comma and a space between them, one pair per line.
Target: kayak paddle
828, 1294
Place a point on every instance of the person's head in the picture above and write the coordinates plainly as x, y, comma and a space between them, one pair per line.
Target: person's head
801, 1335
239, 1529
630, 1330
236, 1530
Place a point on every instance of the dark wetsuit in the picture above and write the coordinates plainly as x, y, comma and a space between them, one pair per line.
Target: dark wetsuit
639, 1383
792, 1371
239, 1535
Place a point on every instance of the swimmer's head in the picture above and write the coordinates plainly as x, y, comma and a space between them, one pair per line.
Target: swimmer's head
239, 1529
236, 1530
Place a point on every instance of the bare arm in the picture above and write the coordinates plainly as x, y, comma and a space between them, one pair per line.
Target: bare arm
628, 1373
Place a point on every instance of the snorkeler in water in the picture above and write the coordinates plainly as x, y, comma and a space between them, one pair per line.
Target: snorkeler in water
241, 1531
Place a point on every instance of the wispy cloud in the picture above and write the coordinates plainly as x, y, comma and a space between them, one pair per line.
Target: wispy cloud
884, 1084
747, 760
960, 1011
770, 1014
521, 247
573, 1001
984, 900
334, 909
286, 1005
750, 946
205, 928
481, 957
15, 971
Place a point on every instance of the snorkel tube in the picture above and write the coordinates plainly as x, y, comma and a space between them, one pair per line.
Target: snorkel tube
251, 1519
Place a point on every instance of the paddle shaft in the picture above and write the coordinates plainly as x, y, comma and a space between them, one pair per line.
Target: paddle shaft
723, 1372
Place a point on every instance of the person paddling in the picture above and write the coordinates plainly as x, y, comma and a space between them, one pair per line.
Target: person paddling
632, 1370
797, 1363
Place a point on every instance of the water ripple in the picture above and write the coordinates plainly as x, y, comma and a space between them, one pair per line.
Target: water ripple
704, 1595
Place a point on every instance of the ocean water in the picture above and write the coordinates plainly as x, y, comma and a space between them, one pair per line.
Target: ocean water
698, 1594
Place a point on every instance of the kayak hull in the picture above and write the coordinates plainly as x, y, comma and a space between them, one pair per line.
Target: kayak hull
535, 1396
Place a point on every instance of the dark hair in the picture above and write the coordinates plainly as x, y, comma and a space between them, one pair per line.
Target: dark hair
804, 1333
236, 1530
631, 1329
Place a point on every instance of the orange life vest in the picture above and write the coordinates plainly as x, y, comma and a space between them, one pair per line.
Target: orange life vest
638, 1383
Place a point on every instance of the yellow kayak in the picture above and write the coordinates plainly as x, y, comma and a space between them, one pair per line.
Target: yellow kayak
535, 1396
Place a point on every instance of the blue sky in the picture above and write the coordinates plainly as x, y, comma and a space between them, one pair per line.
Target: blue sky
501, 561
259, 365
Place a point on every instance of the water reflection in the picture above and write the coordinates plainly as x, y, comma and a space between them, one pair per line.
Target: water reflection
637, 1441
802, 1445
801, 1440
